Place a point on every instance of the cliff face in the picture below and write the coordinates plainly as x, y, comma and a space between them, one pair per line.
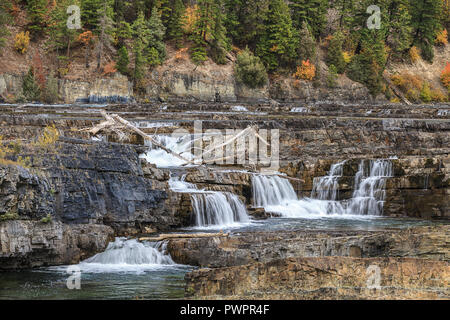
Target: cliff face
91, 191
116, 89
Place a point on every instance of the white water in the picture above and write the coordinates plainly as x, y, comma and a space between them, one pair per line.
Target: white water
124, 255
212, 209
369, 191
162, 159
368, 197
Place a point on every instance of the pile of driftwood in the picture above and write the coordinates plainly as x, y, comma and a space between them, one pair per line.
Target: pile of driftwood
120, 126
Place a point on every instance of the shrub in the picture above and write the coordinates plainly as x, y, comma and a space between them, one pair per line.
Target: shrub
445, 76
347, 56
22, 41
425, 93
180, 55
442, 38
250, 70
414, 54
109, 68
47, 219
9, 216
307, 71
49, 137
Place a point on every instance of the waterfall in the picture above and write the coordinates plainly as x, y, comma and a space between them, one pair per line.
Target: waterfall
326, 188
128, 255
276, 194
369, 191
217, 209
163, 159
271, 190
212, 208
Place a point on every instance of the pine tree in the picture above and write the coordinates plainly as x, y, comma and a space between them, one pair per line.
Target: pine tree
307, 48
105, 27
123, 32
30, 88
4, 20
245, 21
425, 23
156, 50
335, 55
174, 27
60, 37
37, 12
219, 42
141, 36
90, 17
398, 30
123, 60
278, 44
368, 66
312, 12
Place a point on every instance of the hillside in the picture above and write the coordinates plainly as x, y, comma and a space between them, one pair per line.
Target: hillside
172, 65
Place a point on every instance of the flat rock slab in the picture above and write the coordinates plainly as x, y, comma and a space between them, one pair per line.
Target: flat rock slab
325, 278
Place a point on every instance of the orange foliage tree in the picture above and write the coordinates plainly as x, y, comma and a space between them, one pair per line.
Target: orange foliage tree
445, 76
85, 38
307, 71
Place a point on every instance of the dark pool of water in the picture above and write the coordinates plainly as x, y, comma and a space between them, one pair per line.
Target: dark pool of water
51, 283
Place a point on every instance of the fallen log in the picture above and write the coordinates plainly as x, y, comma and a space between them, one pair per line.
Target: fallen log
162, 237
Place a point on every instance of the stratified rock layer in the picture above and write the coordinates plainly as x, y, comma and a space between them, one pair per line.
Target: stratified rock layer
325, 278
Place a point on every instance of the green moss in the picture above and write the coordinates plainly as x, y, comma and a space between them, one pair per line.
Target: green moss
10, 215
47, 219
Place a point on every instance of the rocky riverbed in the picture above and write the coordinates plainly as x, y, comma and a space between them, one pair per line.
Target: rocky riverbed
76, 194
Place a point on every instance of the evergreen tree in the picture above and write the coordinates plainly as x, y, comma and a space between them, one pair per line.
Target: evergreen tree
219, 41
425, 23
105, 28
156, 50
61, 37
123, 61
368, 66
37, 12
398, 31
90, 17
245, 21
312, 12
4, 20
335, 55
278, 44
174, 29
141, 36
123, 32
30, 88
307, 48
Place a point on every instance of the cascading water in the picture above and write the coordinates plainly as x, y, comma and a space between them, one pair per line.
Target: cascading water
276, 194
128, 255
271, 190
161, 158
369, 191
212, 208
